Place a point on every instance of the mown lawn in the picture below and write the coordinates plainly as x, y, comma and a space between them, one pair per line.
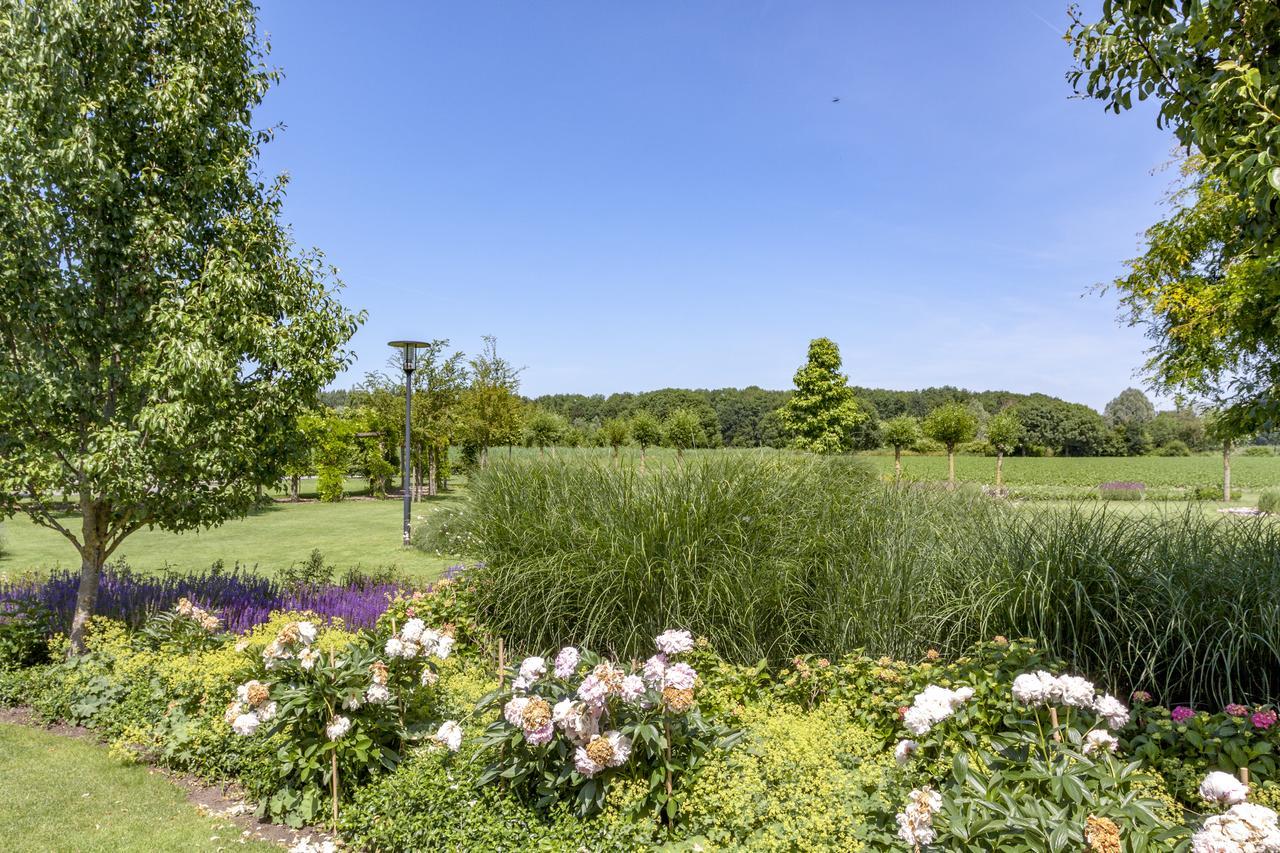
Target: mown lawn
358, 532
66, 794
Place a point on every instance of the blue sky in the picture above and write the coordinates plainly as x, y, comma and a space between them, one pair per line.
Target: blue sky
633, 196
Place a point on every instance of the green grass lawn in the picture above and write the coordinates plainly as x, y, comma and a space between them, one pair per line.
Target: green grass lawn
66, 794
351, 533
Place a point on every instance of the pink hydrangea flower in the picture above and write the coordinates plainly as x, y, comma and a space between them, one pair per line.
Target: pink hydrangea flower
1181, 714
1263, 719
1235, 710
567, 662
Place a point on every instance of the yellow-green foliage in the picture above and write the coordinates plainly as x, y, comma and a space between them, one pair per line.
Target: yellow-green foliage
801, 780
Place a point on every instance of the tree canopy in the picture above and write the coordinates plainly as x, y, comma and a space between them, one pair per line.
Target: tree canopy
161, 333
822, 415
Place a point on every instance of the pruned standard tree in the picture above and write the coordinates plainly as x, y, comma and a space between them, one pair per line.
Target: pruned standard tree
1004, 431
950, 425
902, 431
647, 431
160, 333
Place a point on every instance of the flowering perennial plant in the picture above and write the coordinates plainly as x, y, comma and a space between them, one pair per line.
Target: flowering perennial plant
569, 729
342, 711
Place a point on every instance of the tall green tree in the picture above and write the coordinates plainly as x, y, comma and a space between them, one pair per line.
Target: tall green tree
490, 406
1004, 431
822, 415
1207, 285
951, 425
1130, 413
902, 431
160, 335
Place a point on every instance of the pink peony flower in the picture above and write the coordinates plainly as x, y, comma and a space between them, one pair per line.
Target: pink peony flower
567, 662
540, 735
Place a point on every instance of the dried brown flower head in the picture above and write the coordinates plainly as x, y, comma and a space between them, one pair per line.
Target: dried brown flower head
1102, 835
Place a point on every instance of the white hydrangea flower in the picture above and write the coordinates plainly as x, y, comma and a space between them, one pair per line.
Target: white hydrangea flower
449, 735
904, 750
1100, 740
338, 728
1219, 787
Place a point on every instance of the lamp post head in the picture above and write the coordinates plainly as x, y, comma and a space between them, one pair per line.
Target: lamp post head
409, 351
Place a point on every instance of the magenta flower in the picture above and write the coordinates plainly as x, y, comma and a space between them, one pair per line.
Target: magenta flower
1181, 714
1263, 719
1235, 710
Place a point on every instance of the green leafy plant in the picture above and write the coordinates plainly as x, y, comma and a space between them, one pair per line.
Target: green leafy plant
25, 626
568, 734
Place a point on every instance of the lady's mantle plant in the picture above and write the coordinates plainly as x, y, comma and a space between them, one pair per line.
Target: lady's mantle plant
570, 727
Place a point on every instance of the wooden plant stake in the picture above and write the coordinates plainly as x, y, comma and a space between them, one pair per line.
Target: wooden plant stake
1244, 775
334, 766
1053, 719
502, 661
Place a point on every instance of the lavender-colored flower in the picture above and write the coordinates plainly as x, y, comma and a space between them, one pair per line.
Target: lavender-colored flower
633, 689
1181, 714
593, 691
654, 668
567, 662
681, 676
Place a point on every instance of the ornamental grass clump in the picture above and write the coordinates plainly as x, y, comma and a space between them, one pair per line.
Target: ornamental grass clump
569, 730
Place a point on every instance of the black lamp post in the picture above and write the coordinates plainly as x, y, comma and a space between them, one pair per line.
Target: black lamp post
409, 351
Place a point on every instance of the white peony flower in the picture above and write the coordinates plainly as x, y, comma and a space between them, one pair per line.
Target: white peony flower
338, 728
1112, 711
567, 662
412, 630
444, 645
394, 647
533, 668
449, 735
904, 750
1076, 692
621, 745
674, 642
933, 705
1219, 787
245, 724
351, 703
429, 677
633, 689
307, 631
915, 822
377, 694
1243, 828
654, 669
681, 676
1100, 740
1034, 688
513, 711
308, 657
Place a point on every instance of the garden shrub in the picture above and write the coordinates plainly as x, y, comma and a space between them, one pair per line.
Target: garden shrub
1258, 450
24, 633
1121, 491
330, 483
1176, 447
1210, 493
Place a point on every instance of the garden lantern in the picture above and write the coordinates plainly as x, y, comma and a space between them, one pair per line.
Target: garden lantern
409, 353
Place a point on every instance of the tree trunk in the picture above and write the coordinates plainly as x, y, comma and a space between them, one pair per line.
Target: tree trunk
295, 483
92, 556
433, 486
542, 451
642, 459
1226, 469
484, 457
897, 463
999, 470
951, 467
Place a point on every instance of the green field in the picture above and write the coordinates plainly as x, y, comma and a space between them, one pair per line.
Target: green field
66, 794
359, 532
1252, 473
